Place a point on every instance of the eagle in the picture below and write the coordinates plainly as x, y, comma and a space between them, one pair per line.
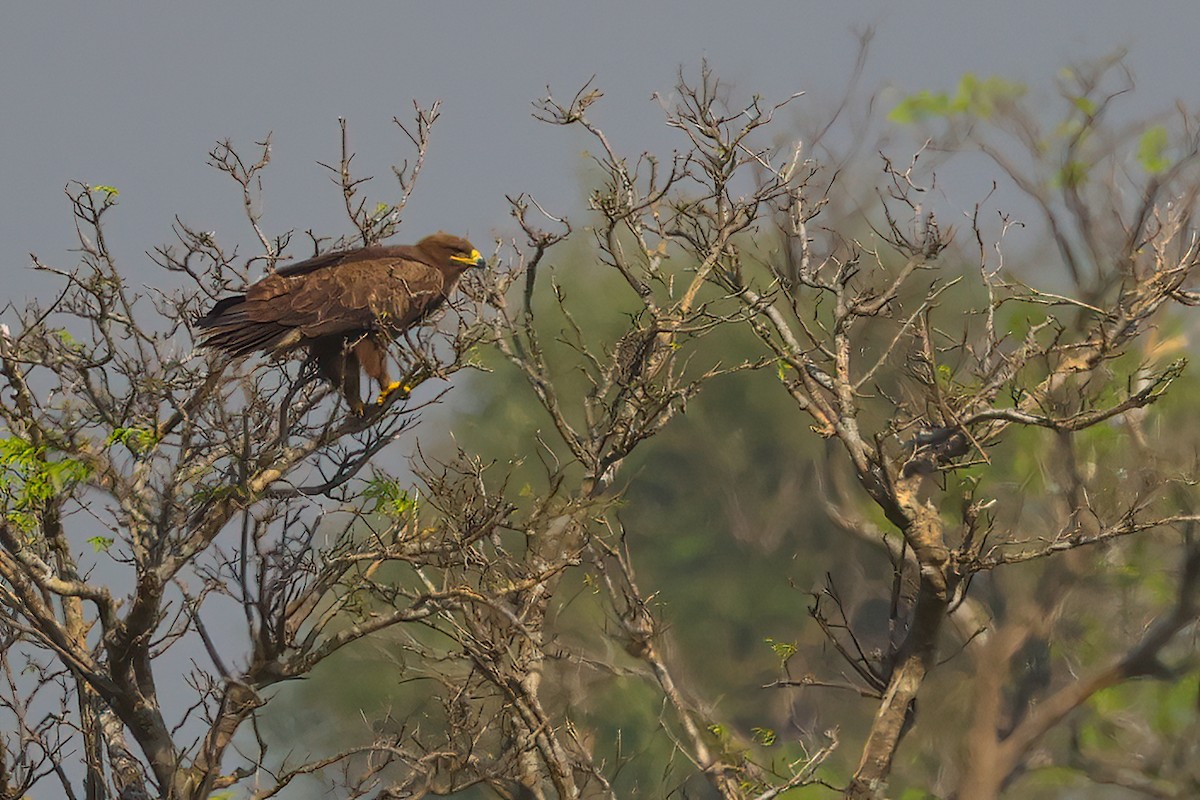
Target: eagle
343, 307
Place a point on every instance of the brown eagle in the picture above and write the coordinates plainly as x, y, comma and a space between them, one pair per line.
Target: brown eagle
343, 307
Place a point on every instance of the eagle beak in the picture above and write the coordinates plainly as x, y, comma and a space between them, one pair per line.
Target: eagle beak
473, 260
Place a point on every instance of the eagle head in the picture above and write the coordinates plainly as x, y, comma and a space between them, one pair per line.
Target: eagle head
453, 251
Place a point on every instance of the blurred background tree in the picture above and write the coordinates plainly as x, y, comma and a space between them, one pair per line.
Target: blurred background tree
746, 524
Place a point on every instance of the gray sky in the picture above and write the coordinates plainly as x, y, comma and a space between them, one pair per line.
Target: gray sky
135, 94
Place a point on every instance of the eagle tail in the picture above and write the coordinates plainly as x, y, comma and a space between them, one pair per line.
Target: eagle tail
228, 327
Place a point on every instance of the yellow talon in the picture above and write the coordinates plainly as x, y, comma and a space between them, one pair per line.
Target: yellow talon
405, 390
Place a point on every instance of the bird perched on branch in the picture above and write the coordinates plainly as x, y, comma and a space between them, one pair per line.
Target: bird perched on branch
343, 307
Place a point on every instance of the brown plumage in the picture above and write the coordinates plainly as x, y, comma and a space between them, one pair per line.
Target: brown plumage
343, 307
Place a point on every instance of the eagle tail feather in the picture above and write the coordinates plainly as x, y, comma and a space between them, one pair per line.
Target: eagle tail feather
228, 327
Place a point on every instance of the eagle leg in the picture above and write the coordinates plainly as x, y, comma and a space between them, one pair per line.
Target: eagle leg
338, 364
372, 354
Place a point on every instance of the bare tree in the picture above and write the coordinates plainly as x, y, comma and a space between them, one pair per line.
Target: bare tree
192, 483
915, 398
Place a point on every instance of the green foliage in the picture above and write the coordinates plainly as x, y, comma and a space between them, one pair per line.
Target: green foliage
136, 440
1053, 778
916, 794
110, 191
66, 338
29, 479
1175, 704
1085, 104
1170, 705
702, 506
973, 98
391, 499
764, 736
1072, 174
783, 650
100, 544
1151, 150
921, 105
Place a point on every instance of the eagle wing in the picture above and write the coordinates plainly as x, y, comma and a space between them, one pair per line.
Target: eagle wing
336, 295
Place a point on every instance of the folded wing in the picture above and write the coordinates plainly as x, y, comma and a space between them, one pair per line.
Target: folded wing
326, 297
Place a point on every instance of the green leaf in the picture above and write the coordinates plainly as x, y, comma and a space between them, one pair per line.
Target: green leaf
1072, 174
16, 451
973, 97
100, 544
1175, 705
1151, 149
783, 650
764, 736
391, 499
137, 440
982, 98
920, 106
718, 730
1109, 700
1052, 777
30, 480
23, 520
111, 191
915, 794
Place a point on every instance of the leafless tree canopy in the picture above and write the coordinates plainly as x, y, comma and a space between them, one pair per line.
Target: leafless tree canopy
182, 536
